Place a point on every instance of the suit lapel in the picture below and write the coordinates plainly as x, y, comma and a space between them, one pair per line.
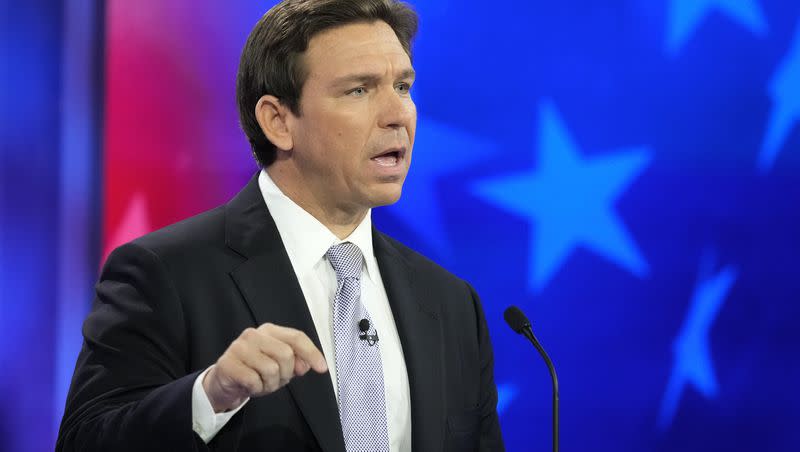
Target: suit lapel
419, 328
270, 288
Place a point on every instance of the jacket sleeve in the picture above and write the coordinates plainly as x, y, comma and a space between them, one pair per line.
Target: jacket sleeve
490, 435
131, 389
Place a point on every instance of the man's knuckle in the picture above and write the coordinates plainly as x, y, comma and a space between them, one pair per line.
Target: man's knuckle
271, 368
285, 353
274, 384
235, 348
253, 383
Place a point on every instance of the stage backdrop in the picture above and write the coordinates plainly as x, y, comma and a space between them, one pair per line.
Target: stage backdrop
625, 171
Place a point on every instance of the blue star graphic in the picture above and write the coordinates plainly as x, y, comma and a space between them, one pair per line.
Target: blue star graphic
570, 199
685, 16
784, 89
692, 356
438, 150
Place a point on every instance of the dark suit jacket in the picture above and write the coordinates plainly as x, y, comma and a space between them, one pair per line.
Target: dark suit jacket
170, 303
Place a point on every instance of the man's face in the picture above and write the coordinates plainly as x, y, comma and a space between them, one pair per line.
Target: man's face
353, 140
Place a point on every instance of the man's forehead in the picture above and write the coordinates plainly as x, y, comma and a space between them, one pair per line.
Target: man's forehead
356, 43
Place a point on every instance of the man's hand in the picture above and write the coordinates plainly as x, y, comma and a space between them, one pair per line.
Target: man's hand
260, 361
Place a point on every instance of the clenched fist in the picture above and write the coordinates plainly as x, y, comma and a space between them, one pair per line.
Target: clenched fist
260, 361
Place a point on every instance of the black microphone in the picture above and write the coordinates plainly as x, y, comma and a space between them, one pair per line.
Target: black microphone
371, 339
520, 324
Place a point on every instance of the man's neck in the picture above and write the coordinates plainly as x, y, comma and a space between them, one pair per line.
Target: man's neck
340, 221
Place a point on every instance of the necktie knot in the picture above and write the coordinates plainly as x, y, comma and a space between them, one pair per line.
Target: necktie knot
346, 260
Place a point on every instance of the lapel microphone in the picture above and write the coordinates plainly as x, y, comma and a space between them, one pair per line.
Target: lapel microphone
518, 322
371, 339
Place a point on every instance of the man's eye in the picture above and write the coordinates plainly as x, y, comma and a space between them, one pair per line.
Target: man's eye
360, 91
403, 87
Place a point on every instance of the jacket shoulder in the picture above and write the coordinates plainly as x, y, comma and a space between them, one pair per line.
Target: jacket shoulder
204, 231
423, 266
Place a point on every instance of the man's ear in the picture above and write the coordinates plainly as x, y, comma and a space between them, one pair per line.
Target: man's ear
272, 116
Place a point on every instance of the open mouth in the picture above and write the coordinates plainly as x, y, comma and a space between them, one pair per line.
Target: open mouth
390, 157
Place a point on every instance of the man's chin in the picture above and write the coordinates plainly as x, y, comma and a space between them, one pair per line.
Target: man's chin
387, 196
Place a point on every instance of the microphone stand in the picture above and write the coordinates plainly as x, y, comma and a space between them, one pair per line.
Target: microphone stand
528, 332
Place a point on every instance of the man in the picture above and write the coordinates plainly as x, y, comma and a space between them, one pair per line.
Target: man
283, 320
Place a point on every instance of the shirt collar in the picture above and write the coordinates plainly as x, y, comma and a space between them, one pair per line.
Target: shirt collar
305, 238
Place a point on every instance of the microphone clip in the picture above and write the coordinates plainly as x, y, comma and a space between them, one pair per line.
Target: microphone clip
371, 339
364, 335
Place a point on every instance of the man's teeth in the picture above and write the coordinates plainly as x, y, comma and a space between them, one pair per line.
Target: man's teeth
386, 160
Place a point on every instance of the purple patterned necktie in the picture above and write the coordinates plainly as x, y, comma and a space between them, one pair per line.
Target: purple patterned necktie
359, 374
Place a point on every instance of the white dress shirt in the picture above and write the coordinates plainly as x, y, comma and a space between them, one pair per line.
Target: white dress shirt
306, 241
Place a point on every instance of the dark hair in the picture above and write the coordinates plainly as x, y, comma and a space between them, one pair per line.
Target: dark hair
271, 61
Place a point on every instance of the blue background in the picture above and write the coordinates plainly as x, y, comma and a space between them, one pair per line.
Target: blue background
625, 171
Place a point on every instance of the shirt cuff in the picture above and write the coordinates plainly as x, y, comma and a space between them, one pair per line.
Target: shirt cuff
205, 422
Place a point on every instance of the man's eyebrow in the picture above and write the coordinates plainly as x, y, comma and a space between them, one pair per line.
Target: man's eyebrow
408, 73
371, 78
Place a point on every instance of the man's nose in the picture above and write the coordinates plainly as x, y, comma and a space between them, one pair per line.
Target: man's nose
397, 111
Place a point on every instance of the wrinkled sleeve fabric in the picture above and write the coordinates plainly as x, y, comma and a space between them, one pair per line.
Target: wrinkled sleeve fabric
132, 389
